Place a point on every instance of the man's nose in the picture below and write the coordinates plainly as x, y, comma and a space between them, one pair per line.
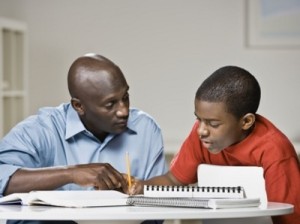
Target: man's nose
123, 110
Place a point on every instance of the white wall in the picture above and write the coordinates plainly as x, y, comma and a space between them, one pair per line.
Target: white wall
165, 49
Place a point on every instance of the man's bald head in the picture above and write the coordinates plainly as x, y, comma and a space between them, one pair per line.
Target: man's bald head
82, 68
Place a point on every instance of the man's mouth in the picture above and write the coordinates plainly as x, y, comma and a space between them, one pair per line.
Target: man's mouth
122, 123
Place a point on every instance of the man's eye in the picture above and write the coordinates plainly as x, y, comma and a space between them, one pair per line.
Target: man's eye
109, 105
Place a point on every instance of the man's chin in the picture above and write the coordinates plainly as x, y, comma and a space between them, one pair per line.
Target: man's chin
119, 130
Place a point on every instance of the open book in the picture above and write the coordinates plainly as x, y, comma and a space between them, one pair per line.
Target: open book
115, 198
68, 198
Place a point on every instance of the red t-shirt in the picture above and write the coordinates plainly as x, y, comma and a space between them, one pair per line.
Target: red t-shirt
266, 147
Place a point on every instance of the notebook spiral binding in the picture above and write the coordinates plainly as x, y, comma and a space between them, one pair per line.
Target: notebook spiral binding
193, 188
194, 191
172, 202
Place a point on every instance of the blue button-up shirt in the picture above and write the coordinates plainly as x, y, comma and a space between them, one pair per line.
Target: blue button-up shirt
57, 137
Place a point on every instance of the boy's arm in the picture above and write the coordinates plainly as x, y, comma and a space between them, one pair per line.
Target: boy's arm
167, 179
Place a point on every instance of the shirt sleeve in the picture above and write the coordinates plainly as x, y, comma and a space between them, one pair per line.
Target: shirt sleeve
24, 146
154, 157
184, 165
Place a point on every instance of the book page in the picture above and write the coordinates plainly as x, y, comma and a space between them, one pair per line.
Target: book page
234, 203
68, 198
15, 198
249, 177
78, 198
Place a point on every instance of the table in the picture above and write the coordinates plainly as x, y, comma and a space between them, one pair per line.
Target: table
132, 214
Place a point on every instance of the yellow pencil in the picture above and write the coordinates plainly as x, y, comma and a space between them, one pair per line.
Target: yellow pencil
128, 169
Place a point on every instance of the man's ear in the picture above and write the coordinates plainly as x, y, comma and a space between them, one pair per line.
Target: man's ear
248, 121
76, 104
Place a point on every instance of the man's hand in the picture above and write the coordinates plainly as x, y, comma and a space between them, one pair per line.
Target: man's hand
101, 176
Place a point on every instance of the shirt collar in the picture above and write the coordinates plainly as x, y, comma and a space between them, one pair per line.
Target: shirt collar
74, 125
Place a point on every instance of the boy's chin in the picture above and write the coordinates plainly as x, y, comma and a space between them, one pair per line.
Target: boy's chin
214, 150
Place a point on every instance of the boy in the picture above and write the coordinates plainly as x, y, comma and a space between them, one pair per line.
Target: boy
229, 132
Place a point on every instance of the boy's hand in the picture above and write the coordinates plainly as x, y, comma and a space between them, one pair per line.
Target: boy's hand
136, 188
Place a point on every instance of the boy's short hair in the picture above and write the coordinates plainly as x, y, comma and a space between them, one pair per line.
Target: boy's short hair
234, 86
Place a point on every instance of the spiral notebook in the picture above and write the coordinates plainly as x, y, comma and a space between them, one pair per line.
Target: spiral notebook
193, 197
214, 203
194, 191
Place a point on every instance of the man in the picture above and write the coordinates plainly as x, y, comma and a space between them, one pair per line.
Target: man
229, 132
82, 144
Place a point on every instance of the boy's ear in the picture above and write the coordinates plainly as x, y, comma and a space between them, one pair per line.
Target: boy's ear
248, 121
77, 106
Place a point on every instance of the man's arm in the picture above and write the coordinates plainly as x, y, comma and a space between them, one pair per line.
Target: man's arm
98, 175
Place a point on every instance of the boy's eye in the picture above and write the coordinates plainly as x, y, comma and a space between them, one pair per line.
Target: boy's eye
214, 124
